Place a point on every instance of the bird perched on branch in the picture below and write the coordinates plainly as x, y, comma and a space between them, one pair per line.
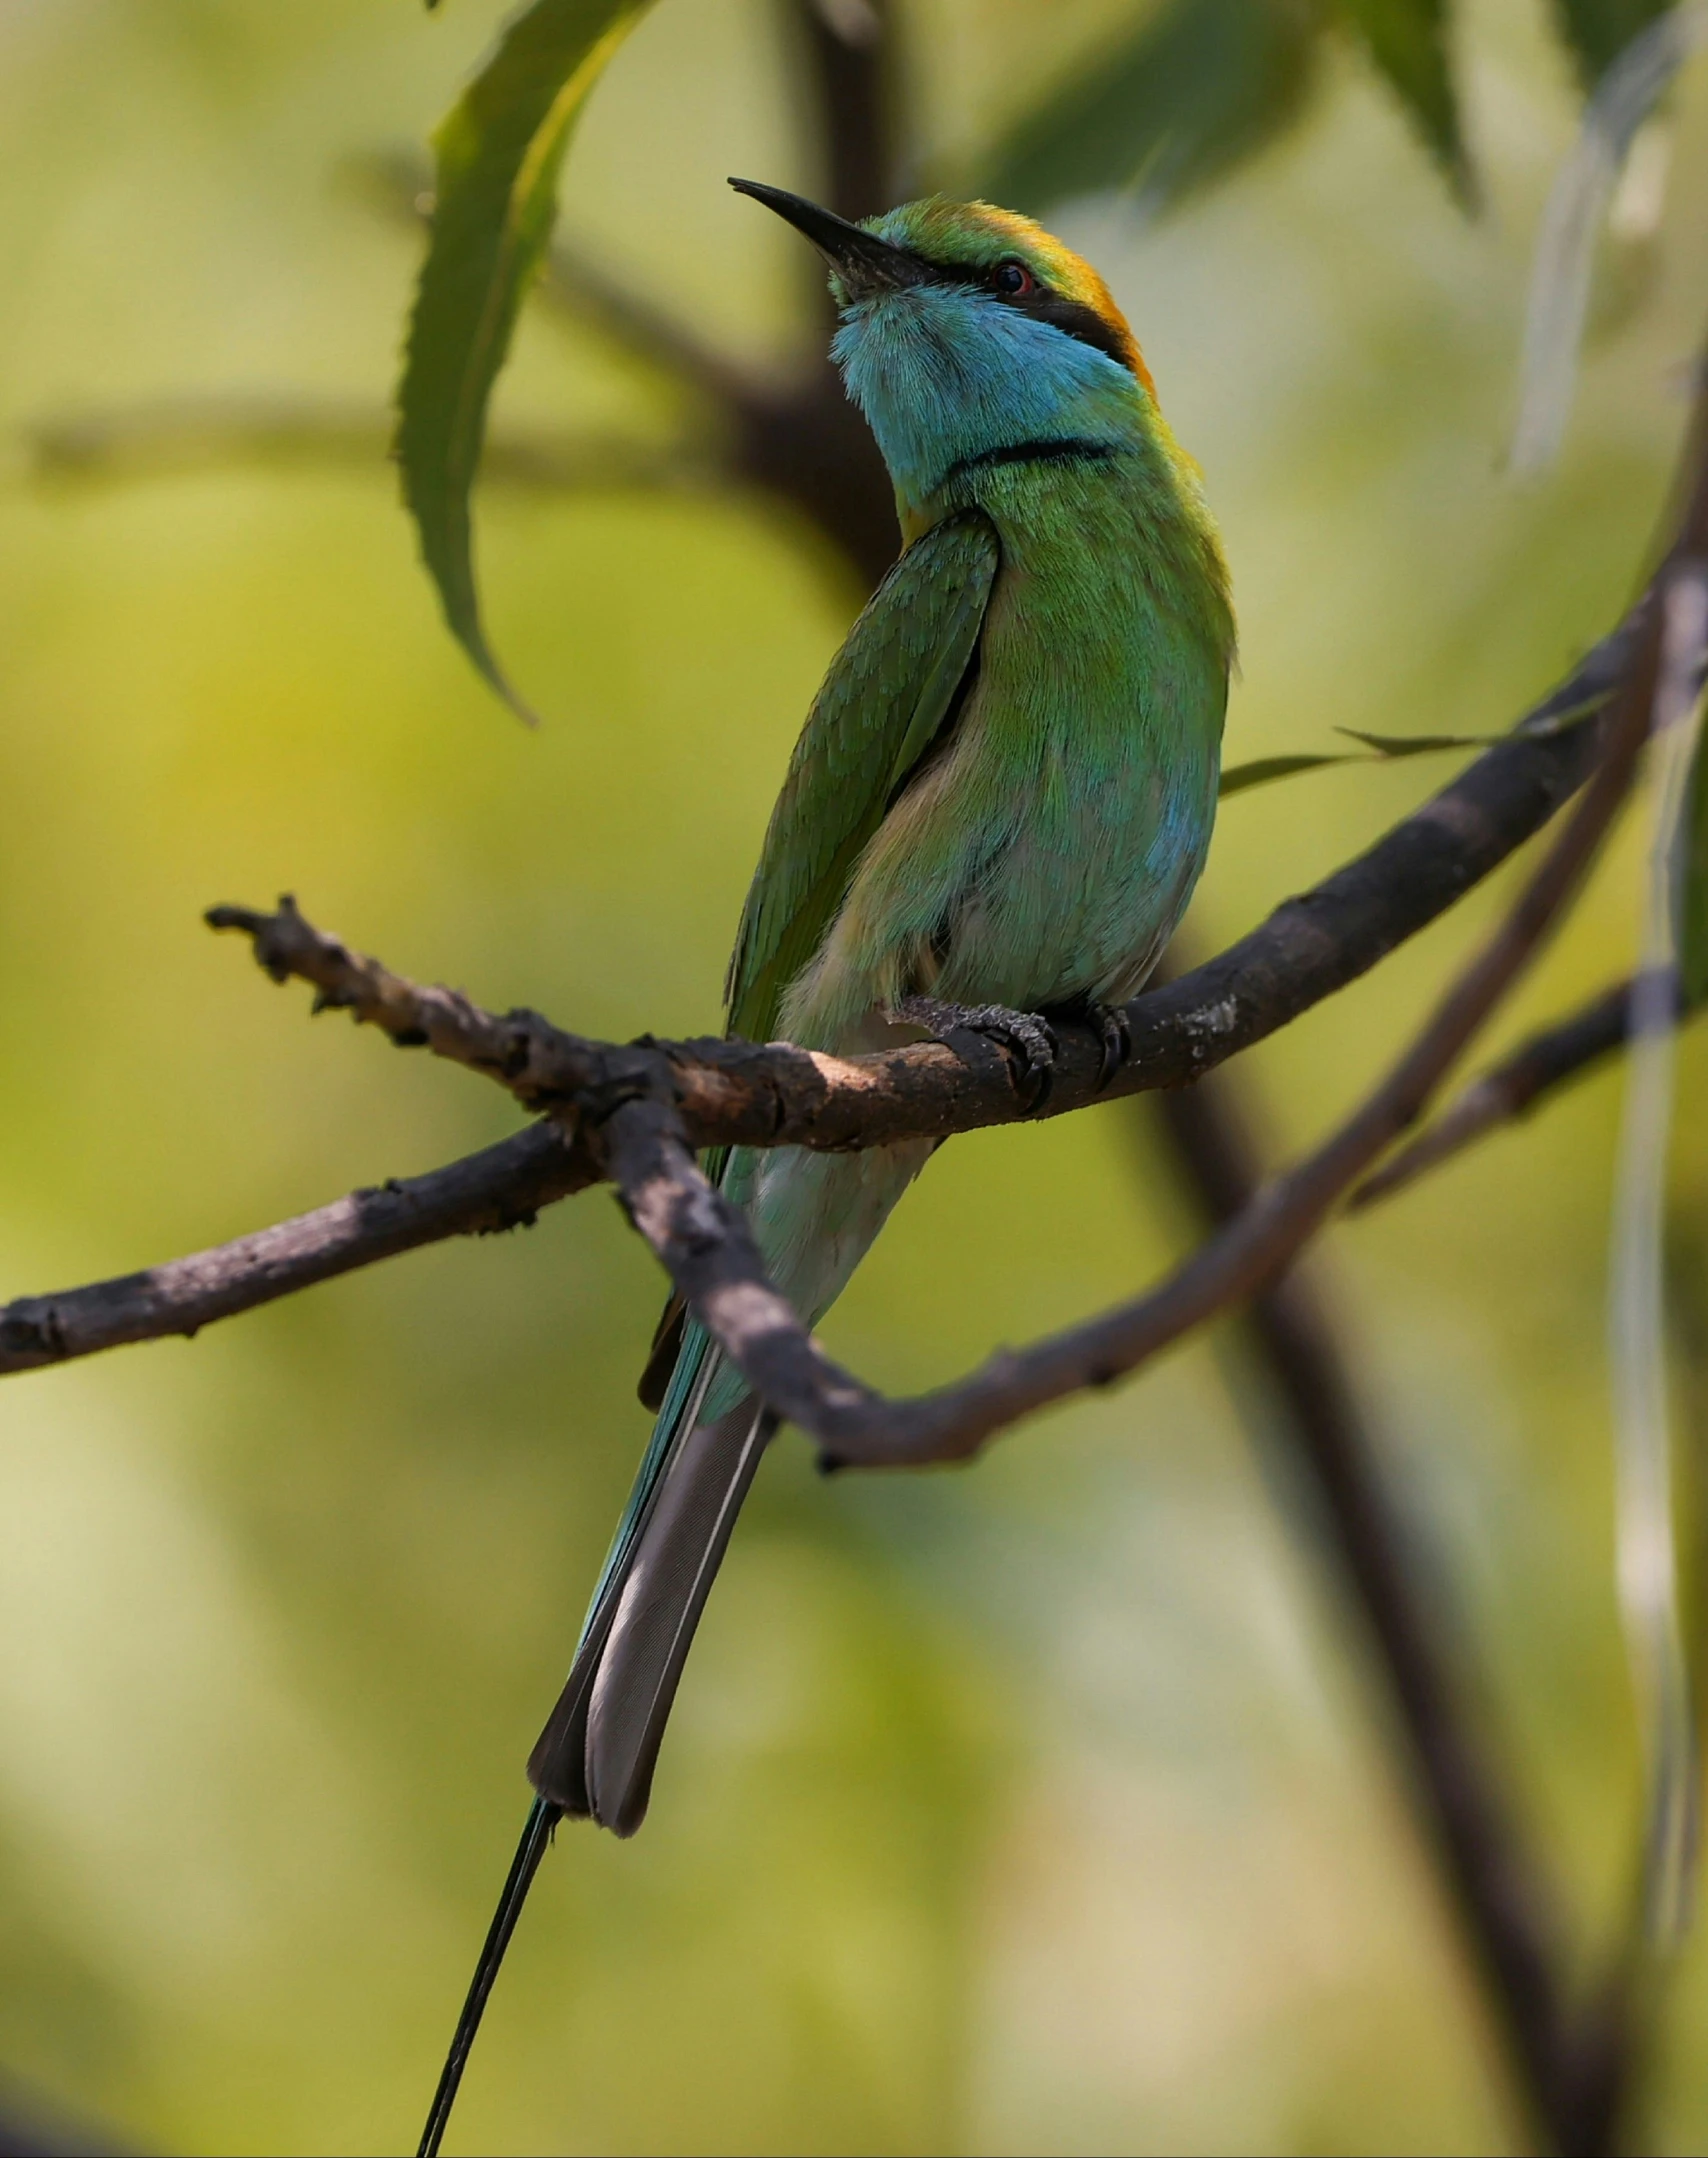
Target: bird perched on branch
998, 807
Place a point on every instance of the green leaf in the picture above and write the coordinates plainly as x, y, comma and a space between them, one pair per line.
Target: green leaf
1379, 749
1693, 881
1408, 41
1198, 87
1416, 745
498, 153
1598, 31
1237, 777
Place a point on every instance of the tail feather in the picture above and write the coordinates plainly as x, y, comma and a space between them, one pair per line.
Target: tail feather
556, 1766
600, 1745
653, 1627
815, 1214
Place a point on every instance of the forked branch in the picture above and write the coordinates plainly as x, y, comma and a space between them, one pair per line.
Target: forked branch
1533, 1072
735, 1092
706, 1246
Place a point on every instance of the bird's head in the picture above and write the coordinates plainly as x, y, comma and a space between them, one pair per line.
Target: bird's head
967, 328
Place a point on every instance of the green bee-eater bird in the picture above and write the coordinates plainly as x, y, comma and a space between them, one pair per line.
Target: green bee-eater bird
1002, 798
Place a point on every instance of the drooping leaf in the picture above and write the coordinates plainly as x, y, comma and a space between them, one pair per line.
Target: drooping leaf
497, 157
1199, 86
1692, 882
1598, 31
1378, 749
1408, 41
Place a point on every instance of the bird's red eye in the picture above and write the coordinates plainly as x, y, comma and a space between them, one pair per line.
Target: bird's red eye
1013, 280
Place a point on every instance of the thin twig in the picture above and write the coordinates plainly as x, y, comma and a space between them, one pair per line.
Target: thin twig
1533, 1072
501, 1187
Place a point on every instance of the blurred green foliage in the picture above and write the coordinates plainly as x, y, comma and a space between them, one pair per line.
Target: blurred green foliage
1597, 31
1038, 1807
1181, 95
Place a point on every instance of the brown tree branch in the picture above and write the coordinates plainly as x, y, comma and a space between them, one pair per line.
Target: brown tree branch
501, 1187
707, 1248
1533, 1072
732, 1092
713, 1261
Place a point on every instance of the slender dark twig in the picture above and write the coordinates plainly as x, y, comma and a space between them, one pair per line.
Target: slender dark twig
1533, 1072
501, 1187
705, 1243
737, 1092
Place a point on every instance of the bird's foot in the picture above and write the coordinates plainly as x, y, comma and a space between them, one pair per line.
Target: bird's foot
1026, 1039
1110, 1023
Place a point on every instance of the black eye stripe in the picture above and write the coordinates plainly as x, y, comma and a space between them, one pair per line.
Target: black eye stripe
1079, 321
1073, 317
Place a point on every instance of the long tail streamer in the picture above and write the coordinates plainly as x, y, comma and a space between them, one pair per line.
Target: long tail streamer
543, 1817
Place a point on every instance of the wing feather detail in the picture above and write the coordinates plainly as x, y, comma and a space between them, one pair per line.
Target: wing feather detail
890, 693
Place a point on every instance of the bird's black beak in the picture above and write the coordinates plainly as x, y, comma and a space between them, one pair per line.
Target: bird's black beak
863, 263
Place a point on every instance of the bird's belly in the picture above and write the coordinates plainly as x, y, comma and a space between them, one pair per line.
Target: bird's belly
1078, 895
1061, 882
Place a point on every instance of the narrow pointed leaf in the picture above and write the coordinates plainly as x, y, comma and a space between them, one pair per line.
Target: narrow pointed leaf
1408, 41
1197, 88
1415, 745
497, 157
1258, 773
1378, 749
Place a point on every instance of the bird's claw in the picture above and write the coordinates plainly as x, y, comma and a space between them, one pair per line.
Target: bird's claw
1026, 1039
1110, 1020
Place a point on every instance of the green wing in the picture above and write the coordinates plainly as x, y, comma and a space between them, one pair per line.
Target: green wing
888, 694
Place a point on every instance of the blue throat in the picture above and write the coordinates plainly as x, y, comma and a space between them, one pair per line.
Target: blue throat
946, 376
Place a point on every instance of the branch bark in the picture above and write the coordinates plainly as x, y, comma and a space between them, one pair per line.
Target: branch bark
707, 1248
501, 1187
1533, 1072
733, 1092
736, 1093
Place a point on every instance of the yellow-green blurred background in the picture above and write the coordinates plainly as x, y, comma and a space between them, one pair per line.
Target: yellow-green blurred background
1040, 1807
